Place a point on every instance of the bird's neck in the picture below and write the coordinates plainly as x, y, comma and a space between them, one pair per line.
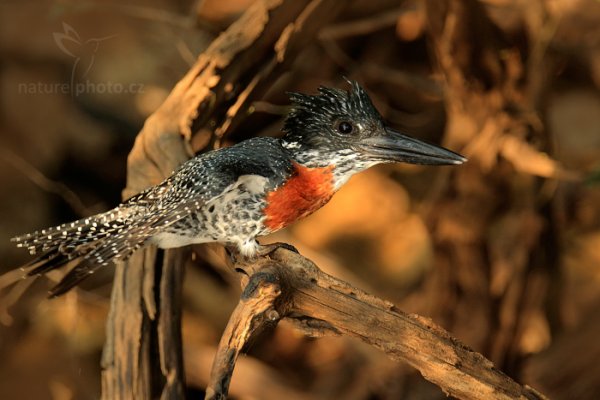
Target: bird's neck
345, 162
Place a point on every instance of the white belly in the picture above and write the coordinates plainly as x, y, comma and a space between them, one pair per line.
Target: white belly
166, 240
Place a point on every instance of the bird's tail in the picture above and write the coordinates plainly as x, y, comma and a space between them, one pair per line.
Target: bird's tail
118, 247
96, 241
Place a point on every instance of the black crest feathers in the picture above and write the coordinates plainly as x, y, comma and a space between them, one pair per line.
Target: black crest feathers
310, 112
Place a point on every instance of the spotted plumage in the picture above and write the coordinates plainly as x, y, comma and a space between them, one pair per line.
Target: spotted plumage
234, 195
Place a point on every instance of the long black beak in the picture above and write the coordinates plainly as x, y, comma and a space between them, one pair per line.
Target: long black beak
394, 146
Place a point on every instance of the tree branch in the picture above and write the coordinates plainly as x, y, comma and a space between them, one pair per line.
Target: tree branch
287, 285
255, 310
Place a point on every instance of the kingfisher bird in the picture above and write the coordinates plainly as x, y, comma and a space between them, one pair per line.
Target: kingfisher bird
234, 195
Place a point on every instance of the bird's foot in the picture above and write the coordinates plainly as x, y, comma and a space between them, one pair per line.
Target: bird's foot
237, 256
268, 249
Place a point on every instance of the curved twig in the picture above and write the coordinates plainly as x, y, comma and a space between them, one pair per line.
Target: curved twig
255, 310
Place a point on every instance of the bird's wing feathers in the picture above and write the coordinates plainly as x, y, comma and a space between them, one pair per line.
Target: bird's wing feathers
205, 177
118, 233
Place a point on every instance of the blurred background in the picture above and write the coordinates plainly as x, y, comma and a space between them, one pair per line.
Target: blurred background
504, 252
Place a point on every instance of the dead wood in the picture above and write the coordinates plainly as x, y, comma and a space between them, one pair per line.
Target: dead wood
252, 378
287, 285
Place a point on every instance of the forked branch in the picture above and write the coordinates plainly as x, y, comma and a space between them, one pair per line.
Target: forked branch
287, 285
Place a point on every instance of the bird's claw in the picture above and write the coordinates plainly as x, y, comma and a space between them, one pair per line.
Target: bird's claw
268, 249
236, 257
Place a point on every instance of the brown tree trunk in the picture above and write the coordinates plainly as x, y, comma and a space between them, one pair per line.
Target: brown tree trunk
142, 357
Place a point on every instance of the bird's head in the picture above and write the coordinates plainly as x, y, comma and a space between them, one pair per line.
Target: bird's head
346, 123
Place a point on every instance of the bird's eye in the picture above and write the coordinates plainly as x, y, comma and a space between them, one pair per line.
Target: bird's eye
345, 127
